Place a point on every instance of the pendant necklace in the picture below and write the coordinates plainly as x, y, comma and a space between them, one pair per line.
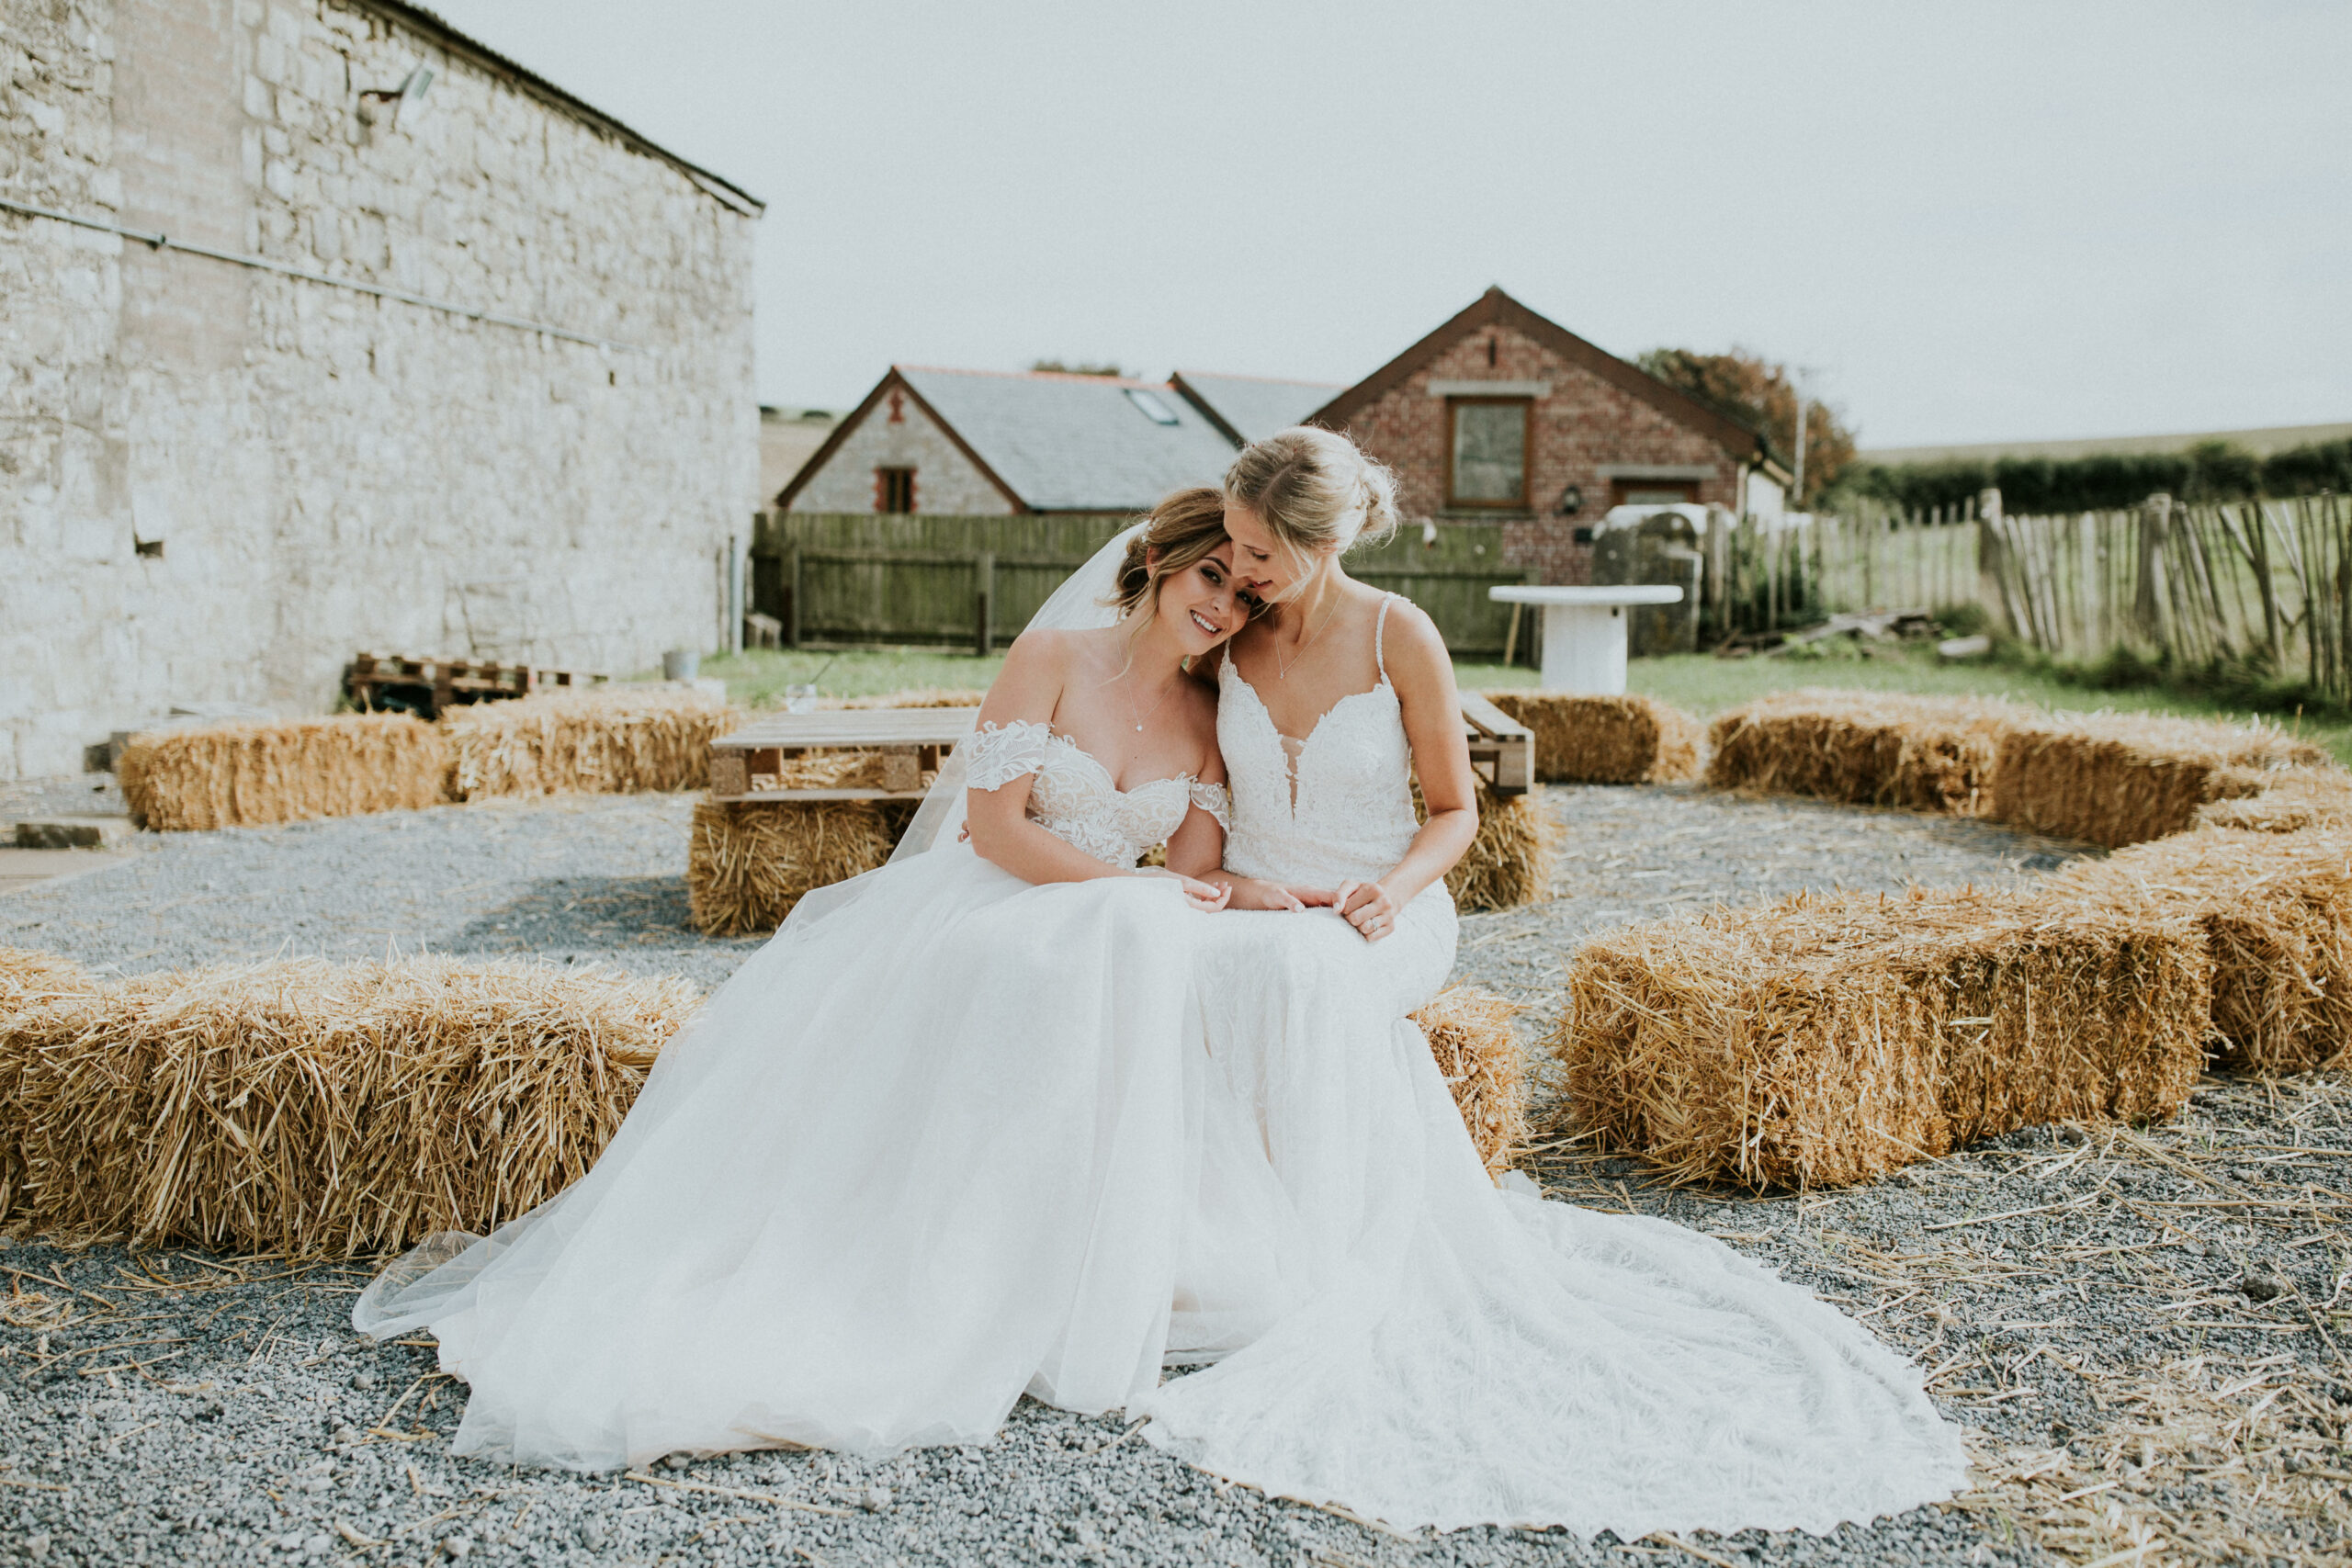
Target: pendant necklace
1282, 670
1156, 707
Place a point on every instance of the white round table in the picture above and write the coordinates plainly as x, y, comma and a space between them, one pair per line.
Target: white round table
1584, 631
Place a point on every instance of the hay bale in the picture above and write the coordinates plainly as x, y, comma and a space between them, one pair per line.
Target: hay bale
317, 1108
234, 775
590, 739
1594, 739
1863, 748
2280, 800
2118, 779
30, 978
1822, 1041
749, 862
29, 983
1512, 859
2276, 911
1479, 1055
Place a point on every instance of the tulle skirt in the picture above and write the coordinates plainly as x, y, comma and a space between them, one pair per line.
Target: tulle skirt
1430, 1350
926, 1151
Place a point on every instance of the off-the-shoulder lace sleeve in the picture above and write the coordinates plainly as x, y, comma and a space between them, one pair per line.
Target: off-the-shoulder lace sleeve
1213, 799
998, 754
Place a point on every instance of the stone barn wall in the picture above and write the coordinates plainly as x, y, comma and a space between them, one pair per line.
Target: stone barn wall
218, 482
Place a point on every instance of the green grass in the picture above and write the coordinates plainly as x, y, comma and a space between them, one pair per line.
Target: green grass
1699, 681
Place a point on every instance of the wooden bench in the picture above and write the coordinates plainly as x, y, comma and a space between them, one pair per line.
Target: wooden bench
746, 765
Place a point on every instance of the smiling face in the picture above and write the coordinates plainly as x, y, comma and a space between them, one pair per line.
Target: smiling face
1268, 568
1199, 605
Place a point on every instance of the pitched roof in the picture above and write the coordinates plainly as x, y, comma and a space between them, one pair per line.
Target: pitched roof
1497, 309
1060, 442
1249, 407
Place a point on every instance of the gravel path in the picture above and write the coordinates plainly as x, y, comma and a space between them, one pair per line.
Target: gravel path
2142, 1326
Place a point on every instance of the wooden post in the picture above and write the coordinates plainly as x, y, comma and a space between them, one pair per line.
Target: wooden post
1510, 637
792, 595
984, 573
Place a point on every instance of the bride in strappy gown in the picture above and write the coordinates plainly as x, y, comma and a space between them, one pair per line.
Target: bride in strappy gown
1397, 1336
924, 1152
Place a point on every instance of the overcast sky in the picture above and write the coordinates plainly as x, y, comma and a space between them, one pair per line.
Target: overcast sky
1975, 222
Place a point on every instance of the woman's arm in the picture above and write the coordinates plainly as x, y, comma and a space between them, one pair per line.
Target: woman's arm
1422, 672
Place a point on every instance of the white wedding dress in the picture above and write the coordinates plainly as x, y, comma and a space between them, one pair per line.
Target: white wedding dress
927, 1149
1412, 1343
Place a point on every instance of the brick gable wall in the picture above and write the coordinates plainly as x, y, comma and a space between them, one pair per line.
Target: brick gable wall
1584, 424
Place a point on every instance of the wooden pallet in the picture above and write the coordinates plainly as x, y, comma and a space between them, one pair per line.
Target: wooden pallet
744, 765
445, 682
1502, 750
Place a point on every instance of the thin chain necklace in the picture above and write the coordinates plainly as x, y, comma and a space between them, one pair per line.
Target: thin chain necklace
1282, 670
1146, 718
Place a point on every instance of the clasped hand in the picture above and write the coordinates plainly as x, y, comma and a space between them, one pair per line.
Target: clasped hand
1204, 895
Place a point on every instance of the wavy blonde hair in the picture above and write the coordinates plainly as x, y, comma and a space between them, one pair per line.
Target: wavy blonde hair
1313, 488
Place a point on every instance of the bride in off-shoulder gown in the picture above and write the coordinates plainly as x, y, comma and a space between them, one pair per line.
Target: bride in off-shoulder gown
922, 1154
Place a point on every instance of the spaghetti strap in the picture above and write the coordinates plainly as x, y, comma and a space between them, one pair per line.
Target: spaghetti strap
1379, 632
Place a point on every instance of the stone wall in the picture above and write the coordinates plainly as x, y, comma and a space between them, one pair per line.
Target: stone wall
216, 482
900, 434
1581, 425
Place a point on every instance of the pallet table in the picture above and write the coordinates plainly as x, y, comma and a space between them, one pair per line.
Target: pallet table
745, 765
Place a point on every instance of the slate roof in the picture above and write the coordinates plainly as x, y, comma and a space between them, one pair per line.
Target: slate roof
1250, 407
1074, 443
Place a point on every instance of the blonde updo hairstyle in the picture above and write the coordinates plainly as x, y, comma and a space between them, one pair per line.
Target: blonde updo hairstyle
1183, 528
1314, 490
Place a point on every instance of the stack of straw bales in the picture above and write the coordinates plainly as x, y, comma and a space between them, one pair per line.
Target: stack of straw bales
234, 775
2118, 779
749, 862
1824, 1041
1512, 860
592, 740
1616, 740
1864, 748
317, 1108
1479, 1055
2276, 913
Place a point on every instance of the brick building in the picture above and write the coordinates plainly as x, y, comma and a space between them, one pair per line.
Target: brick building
1500, 415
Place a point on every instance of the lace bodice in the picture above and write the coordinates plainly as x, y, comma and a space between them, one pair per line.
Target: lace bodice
1352, 813
1074, 797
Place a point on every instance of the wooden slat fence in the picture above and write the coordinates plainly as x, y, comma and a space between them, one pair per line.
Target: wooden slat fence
846, 579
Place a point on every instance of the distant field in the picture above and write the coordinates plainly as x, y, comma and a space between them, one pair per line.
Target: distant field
1701, 683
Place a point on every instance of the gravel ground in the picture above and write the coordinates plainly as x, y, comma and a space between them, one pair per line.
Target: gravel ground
2142, 1326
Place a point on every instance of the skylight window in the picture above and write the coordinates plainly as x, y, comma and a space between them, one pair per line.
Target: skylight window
1153, 409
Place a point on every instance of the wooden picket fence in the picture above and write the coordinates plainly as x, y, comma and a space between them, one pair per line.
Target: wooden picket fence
850, 578
2259, 586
